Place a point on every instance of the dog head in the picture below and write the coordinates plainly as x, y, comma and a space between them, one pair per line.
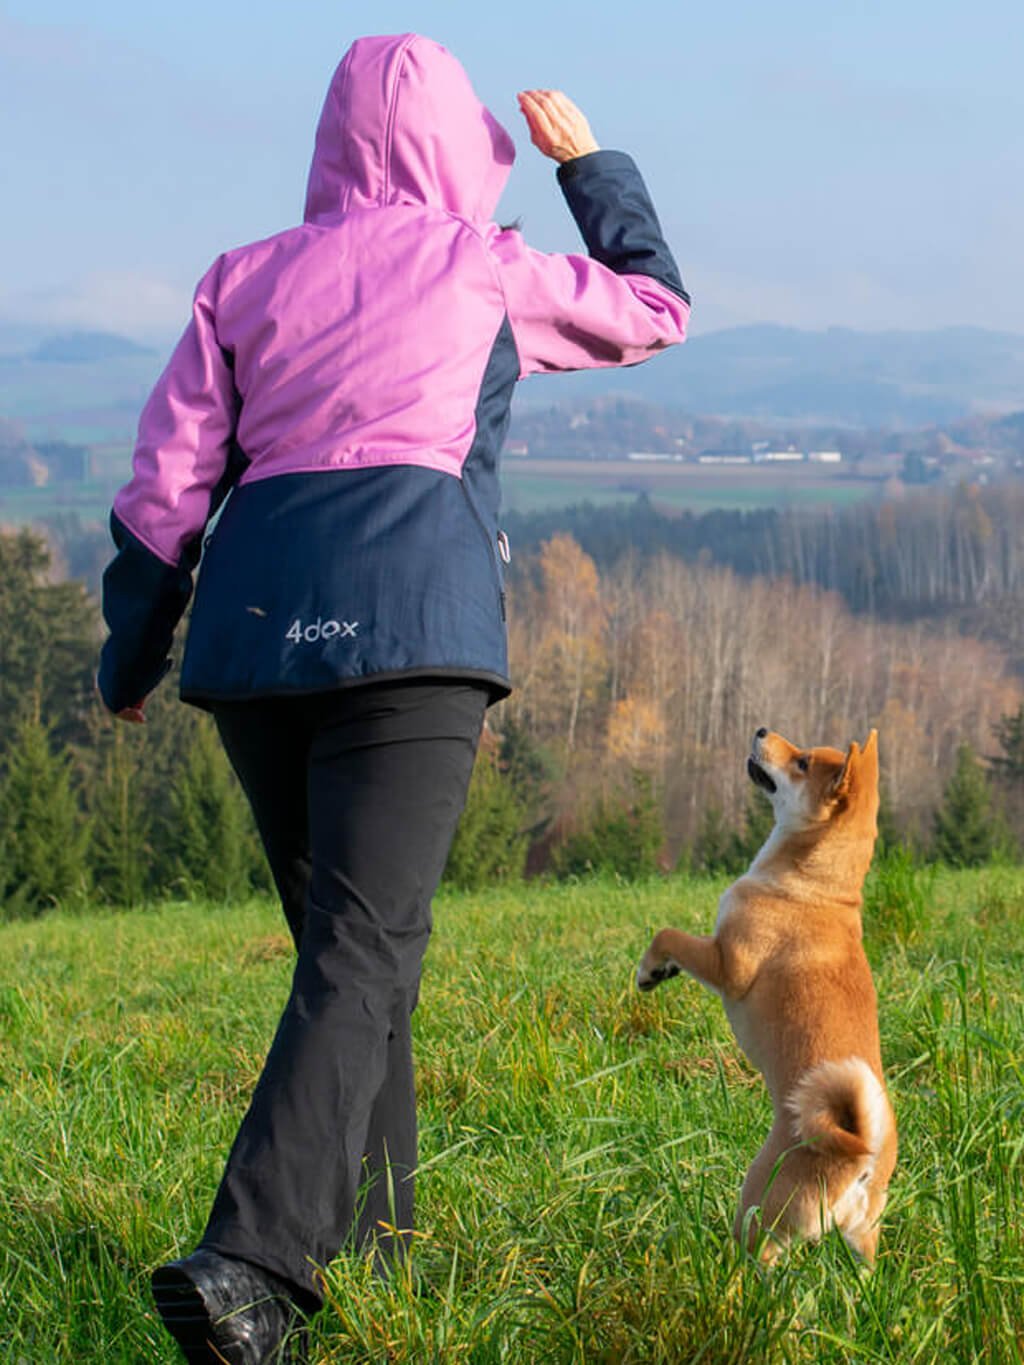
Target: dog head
811, 787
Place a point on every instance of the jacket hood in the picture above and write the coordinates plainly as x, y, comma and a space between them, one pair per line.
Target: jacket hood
402, 124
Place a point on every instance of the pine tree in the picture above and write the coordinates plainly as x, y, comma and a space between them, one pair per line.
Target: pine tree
758, 823
966, 833
1008, 777
1009, 731
527, 766
490, 842
49, 635
208, 838
119, 853
42, 832
889, 834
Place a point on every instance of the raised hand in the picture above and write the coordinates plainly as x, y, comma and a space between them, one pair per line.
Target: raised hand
557, 127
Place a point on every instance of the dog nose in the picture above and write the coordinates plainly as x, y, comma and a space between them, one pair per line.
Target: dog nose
762, 732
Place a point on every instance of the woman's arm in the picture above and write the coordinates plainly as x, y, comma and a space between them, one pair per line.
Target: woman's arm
622, 302
183, 468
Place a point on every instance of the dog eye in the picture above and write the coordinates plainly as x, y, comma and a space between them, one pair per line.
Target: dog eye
803, 763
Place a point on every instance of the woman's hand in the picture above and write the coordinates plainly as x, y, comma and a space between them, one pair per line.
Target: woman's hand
134, 715
557, 127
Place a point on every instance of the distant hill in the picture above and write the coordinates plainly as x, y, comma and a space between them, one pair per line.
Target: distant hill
868, 379
74, 386
90, 385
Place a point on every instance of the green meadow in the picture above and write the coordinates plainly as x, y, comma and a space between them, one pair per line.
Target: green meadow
581, 1145
539, 485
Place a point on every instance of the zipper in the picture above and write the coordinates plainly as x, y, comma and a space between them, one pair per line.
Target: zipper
498, 549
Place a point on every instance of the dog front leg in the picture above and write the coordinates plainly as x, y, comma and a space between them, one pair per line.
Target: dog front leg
672, 952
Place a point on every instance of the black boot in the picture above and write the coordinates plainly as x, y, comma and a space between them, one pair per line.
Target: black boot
222, 1310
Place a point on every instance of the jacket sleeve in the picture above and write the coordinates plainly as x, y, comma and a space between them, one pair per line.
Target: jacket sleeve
617, 306
184, 464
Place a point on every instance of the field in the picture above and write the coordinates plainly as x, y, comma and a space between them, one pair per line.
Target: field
582, 1145
533, 485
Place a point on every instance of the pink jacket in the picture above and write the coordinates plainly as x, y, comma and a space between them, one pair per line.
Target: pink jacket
368, 339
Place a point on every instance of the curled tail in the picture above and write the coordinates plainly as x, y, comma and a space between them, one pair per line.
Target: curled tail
840, 1107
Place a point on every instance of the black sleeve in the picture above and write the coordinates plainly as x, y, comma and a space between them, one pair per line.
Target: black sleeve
607, 197
144, 598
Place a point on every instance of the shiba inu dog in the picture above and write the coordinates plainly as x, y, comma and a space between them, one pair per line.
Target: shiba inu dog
787, 961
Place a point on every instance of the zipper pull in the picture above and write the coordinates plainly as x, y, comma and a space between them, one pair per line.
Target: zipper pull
504, 549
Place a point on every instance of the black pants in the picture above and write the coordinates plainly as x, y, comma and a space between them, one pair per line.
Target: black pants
356, 795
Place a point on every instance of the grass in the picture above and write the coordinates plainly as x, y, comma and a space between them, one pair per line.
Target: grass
581, 1145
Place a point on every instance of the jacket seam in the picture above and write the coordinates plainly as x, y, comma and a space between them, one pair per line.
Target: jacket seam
145, 542
392, 111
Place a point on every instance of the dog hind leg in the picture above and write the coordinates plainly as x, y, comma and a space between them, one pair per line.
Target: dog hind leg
763, 1223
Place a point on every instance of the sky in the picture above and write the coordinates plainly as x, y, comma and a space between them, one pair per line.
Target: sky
813, 163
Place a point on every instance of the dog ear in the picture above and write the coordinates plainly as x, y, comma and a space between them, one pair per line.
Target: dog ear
861, 766
844, 777
869, 756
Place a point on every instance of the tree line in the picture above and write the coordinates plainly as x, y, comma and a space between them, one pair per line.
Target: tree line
931, 553
638, 687
662, 668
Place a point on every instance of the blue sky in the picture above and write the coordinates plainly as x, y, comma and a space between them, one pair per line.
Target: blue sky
815, 164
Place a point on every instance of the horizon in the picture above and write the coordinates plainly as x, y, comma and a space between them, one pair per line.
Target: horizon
150, 341
813, 170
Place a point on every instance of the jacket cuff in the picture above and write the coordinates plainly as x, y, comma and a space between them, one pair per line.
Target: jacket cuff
143, 600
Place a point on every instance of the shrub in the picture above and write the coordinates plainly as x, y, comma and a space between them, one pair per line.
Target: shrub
490, 842
621, 836
721, 850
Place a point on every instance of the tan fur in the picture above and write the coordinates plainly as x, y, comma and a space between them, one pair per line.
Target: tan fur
787, 960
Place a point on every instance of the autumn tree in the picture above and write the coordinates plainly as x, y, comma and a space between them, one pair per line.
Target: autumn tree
571, 663
637, 733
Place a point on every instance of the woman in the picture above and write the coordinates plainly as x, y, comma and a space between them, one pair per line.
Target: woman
349, 381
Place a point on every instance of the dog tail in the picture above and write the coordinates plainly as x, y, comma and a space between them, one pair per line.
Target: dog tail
840, 1107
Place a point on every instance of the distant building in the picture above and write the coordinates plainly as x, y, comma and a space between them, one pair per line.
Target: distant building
825, 456
721, 457
781, 456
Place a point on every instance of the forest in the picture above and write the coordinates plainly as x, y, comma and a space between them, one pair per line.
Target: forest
646, 649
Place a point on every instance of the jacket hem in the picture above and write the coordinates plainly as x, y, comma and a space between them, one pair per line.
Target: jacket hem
500, 687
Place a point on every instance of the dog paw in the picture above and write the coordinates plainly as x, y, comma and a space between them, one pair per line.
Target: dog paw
649, 977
